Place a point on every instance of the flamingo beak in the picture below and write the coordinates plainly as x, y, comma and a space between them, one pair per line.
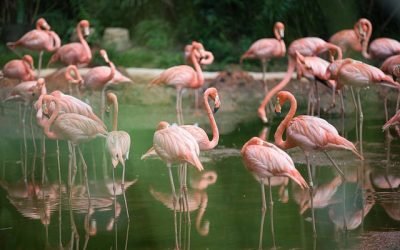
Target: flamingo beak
86, 31
282, 33
278, 107
217, 104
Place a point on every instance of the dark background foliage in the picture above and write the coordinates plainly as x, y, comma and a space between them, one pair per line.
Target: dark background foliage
226, 27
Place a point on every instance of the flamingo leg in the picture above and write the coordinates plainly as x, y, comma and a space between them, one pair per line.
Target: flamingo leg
34, 147
179, 106
356, 108
311, 194
85, 170
335, 165
25, 144
342, 109
361, 122
318, 98
123, 191
263, 210
115, 196
40, 63
271, 211
386, 109
174, 199
75, 167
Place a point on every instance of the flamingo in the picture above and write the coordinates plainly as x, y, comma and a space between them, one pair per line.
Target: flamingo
393, 121
21, 69
265, 160
306, 46
78, 54
266, 48
310, 134
40, 39
175, 145
118, 144
314, 69
183, 76
350, 38
358, 74
74, 128
380, 48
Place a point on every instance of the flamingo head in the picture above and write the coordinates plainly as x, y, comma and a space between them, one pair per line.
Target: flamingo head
29, 60
281, 98
213, 94
396, 72
162, 125
363, 28
280, 28
84, 24
103, 54
41, 23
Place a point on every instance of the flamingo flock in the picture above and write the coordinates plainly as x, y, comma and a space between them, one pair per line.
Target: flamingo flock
65, 117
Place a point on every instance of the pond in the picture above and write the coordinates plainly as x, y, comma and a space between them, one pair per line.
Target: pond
36, 211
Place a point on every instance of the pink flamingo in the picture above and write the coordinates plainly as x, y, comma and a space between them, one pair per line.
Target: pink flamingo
358, 74
40, 39
75, 78
350, 38
118, 144
307, 46
393, 121
264, 160
266, 48
380, 48
183, 76
77, 53
314, 69
175, 145
74, 128
21, 69
310, 134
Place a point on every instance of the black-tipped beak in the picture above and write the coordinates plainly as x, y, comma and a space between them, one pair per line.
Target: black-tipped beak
216, 109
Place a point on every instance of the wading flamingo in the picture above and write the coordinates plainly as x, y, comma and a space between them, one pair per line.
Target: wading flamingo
310, 134
266, 48
118, 144
40, 39
314, 69
360, 75
175, 145
77, 53
74, 128
380, 48
306, 46
21, 69
265, 160
183, 76
350, 39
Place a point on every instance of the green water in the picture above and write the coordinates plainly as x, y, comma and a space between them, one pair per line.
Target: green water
224, 200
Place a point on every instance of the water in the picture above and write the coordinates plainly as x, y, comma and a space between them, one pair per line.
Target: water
224, 200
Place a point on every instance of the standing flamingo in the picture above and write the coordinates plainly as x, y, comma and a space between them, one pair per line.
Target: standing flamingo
310, 134
265, 160
40, 39
183, 76
175, 145
74, 128
266, 48
380, 48
118, 144
350, 38
77, 53
314, 69
358, 74
306, 46
21, 69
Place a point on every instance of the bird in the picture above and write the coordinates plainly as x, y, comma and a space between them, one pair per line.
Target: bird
40, 39
266, 48
306, 46
314, 69
393, 121
198, 133
118, 143
380, 48
77, 53
74, 128
310, 134
359, 75
264, 160
175, 145
73, 79
183, 76
21, 69
350, 39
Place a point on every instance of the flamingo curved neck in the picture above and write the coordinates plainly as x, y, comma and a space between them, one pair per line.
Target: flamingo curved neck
202, 228
53, 116
365, 44
215, 132
283, 125
83, 42
200, 78
115, 113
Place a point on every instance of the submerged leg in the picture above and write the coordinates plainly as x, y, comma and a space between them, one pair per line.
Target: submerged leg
271, 212
174, 199
311, 194
361, 122
123, 190
85, 169
263, 210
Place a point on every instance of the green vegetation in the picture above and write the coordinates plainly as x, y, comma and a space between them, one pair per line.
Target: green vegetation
160, 29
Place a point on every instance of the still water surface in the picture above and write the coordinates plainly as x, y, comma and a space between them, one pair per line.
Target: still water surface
224, 200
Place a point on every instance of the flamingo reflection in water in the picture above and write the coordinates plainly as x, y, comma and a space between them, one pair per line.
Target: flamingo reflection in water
197, 200
265, 160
